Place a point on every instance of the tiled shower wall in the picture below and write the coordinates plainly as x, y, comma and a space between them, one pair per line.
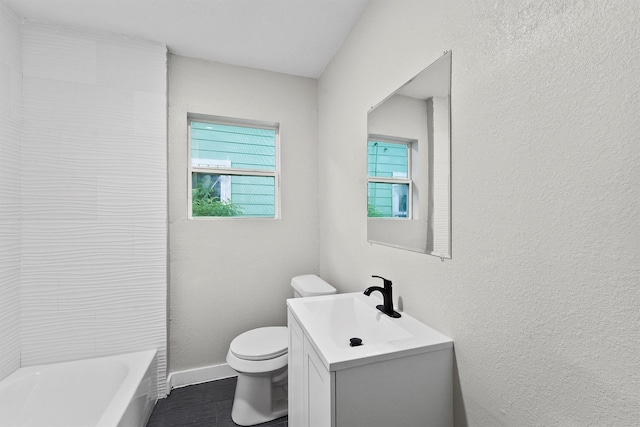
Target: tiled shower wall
10, 119
94, 195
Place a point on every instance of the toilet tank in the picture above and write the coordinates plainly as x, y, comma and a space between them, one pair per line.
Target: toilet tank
310, 285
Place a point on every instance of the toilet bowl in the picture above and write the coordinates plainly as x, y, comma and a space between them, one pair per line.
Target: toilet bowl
259, 356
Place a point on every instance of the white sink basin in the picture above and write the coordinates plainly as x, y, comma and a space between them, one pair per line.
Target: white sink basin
347, 316
330, 321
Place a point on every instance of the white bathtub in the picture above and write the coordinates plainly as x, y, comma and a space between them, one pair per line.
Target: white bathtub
114, 391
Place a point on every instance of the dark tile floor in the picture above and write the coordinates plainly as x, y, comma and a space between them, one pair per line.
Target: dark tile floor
208, 404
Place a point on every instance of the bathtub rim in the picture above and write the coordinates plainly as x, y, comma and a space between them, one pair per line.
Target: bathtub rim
139, 364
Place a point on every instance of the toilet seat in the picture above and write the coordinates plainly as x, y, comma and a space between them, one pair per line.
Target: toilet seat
259, 351
261, 343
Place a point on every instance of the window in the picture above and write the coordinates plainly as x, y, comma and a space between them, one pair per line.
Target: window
233, 169
389, 185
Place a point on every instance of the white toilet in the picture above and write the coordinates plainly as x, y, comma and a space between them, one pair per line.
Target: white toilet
259, 356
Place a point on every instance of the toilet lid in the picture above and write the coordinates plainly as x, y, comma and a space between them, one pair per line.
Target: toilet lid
261, 343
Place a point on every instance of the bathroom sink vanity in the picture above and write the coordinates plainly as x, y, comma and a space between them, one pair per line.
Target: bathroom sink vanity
400, 374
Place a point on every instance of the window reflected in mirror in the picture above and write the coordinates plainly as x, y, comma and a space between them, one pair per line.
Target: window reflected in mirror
389, 178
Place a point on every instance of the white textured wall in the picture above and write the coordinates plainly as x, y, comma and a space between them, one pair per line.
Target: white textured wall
231, 275
93, 196
10, 126
541, 296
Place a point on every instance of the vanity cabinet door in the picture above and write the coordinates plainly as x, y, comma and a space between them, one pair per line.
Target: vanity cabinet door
311, 385
318, 386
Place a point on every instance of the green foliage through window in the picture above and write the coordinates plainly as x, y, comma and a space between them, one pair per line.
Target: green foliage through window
206, 202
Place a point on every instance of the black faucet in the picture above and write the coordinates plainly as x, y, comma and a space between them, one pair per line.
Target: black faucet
387, 305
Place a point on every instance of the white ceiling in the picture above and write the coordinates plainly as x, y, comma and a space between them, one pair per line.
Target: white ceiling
296, 37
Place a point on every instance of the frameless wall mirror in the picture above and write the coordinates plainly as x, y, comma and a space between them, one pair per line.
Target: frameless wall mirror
409, 164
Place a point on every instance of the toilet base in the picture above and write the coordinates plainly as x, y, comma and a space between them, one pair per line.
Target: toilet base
260, 398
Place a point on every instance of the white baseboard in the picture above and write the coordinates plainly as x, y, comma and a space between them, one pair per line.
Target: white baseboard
199, 375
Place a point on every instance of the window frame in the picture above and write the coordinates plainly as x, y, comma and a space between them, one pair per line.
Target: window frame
394, 180
223, 170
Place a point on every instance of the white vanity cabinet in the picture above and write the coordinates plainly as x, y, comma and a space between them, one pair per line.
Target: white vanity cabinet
411, 390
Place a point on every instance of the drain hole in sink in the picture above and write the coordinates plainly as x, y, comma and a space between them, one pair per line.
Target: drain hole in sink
355, 342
